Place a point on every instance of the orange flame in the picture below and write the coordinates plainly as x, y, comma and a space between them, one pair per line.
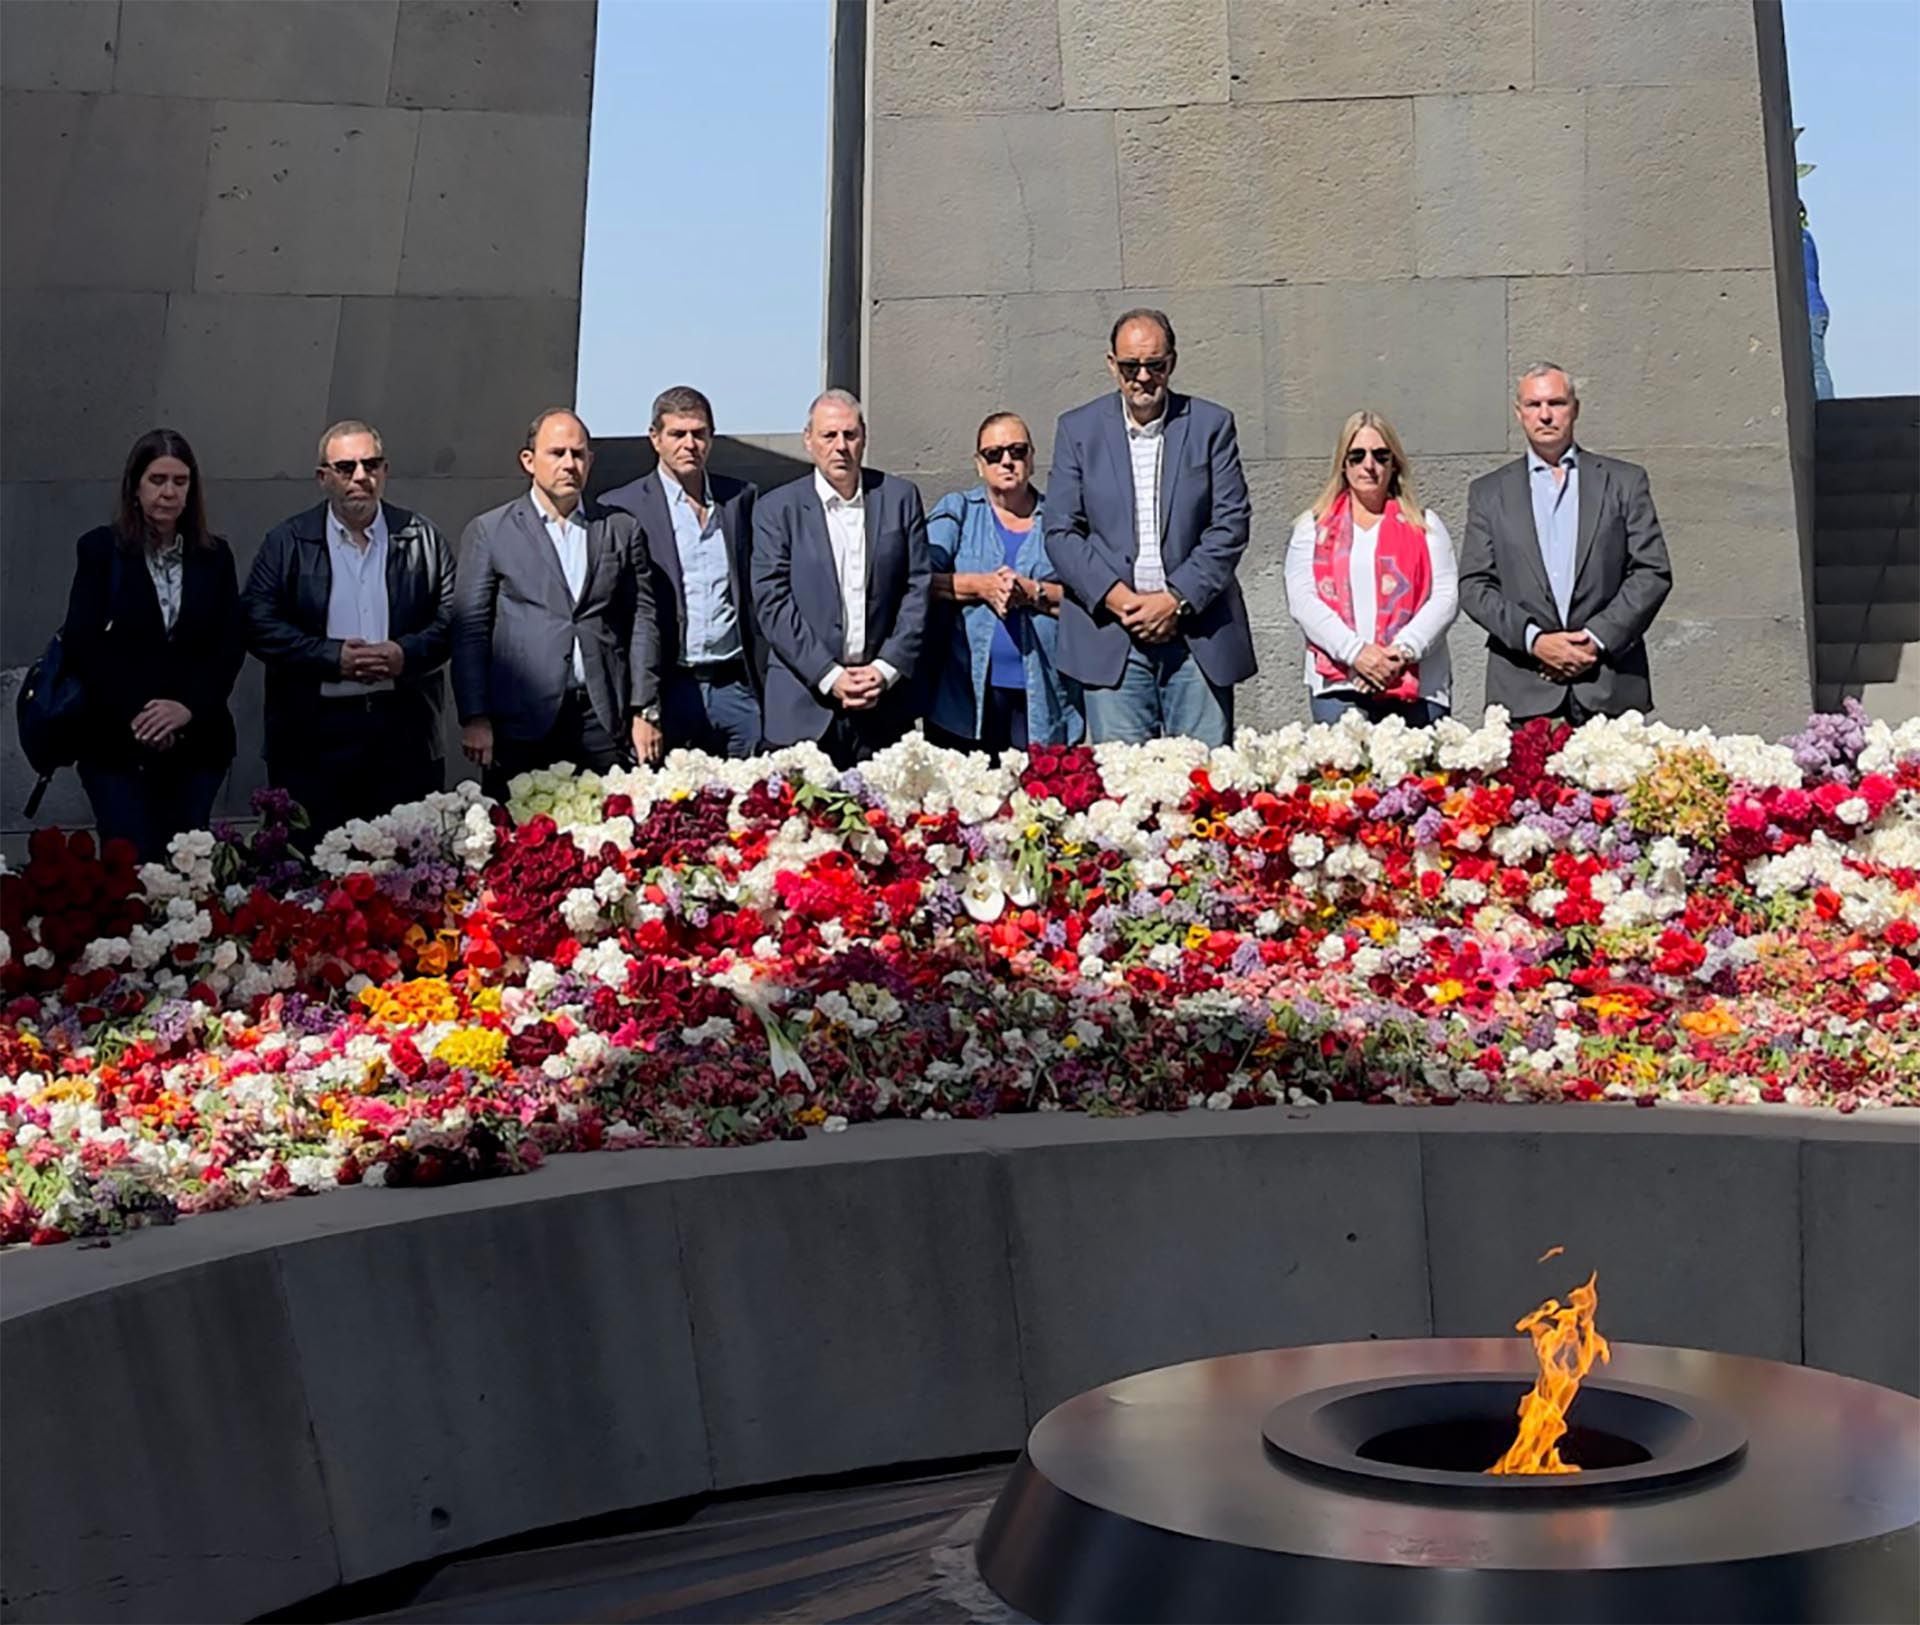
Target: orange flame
1566, 1343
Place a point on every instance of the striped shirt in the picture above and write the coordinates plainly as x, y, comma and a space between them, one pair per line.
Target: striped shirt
1146, 445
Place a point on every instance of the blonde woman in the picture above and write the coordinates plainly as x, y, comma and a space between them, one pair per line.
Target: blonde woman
1371, 580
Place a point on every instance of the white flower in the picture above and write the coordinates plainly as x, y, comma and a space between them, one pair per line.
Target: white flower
1332, 950
1306, 850
1854, 810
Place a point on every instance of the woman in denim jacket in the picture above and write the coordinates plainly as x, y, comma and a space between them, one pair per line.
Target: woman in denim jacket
995, 687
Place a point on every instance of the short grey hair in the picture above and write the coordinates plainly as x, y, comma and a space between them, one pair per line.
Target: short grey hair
1539, 369
340, 431
838, 397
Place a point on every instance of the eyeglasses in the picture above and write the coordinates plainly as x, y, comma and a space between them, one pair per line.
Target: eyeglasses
1155, 366
1359, 454
344, 466
1015, 450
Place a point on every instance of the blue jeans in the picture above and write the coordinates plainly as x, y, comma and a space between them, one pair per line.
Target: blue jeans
1822, 379
151, 804
1332, 707
718, 713
1162, 694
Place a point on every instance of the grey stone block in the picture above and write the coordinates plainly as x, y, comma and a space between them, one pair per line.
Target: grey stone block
1651, 1215
330, 51
1029, 198
1131, 1256
1184, 189
201, 1495
1428, 353
243, 511
478, 55
1053, 350
1222, 334
507, 1307
1732, 673
305, 199
961, 342
1643, 42
1860, 1218
244, 378
1682, 358
822, 1338
1726, 517
1481, 207
971, 56
498, 205
1322, 50
63, 47
1676, 179
102, 191
1143, 53
39, 524
81, 372
452, 382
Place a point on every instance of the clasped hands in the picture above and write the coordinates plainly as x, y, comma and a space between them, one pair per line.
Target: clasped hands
858, 688
1005, 590
157, 724
1379, 666
1566, 655
363, 662
1149, 617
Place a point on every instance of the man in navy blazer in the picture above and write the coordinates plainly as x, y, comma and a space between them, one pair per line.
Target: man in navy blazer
1147, 516
841, 585
555, 652
696, 529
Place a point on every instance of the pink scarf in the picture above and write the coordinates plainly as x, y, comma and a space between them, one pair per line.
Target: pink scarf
1404, 573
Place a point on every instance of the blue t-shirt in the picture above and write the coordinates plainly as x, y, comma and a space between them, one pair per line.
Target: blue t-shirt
1005, 669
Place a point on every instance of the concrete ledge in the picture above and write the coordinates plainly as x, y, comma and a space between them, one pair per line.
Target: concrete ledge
223, 1418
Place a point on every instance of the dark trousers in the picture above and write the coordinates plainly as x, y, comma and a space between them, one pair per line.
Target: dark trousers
1572, 712
353, 758
1003, 725
1375, 708
711, 708
577, 736
150, 803
853, 736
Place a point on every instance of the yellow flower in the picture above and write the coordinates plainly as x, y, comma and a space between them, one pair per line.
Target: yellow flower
486, 1001
1449, 990
1071, 1041
1198, 935
1714, 1022
1033, 832
411, 1004
479, 1049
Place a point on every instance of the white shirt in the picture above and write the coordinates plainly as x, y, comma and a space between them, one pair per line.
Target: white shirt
569, 538
1424, 637
1146, 445
166, 568
847, 536
357, 602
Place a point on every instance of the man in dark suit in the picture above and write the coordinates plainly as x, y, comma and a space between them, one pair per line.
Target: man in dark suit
841, 585
1564, 565
1147, 516
349, 606
697, 531
556, 656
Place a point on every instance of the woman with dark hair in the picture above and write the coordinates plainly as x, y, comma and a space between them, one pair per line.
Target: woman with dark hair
994, 685
154, 635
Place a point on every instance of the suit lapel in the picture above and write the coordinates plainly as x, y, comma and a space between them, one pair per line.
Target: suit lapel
1121, 452
599, 545
1592, 488
662, 543
813, 532
1174, 436
1520, 498
876, 528
399, 539
546, 558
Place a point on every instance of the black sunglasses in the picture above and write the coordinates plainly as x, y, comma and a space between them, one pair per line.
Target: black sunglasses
344, 466
1360, 454
1018, 450
1157, 366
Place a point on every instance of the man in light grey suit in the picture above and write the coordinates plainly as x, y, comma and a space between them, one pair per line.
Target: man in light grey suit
1564, 565
556, 654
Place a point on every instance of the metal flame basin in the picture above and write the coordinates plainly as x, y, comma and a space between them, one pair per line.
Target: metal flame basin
1236, 1489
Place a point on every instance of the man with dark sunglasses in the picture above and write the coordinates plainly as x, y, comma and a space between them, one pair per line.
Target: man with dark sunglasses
350, 608
1147, 516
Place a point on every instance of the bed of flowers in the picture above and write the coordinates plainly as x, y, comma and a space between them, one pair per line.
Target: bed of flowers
715, 952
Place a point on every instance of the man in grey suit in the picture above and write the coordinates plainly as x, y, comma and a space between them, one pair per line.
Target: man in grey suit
1564, 565
841, 585
1147, 516
556, 656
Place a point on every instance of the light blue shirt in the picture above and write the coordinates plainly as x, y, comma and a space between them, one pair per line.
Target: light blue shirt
357, 600
713, 624
569, 538
1556, 521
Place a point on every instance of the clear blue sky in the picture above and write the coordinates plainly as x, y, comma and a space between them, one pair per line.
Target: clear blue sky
724, 102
